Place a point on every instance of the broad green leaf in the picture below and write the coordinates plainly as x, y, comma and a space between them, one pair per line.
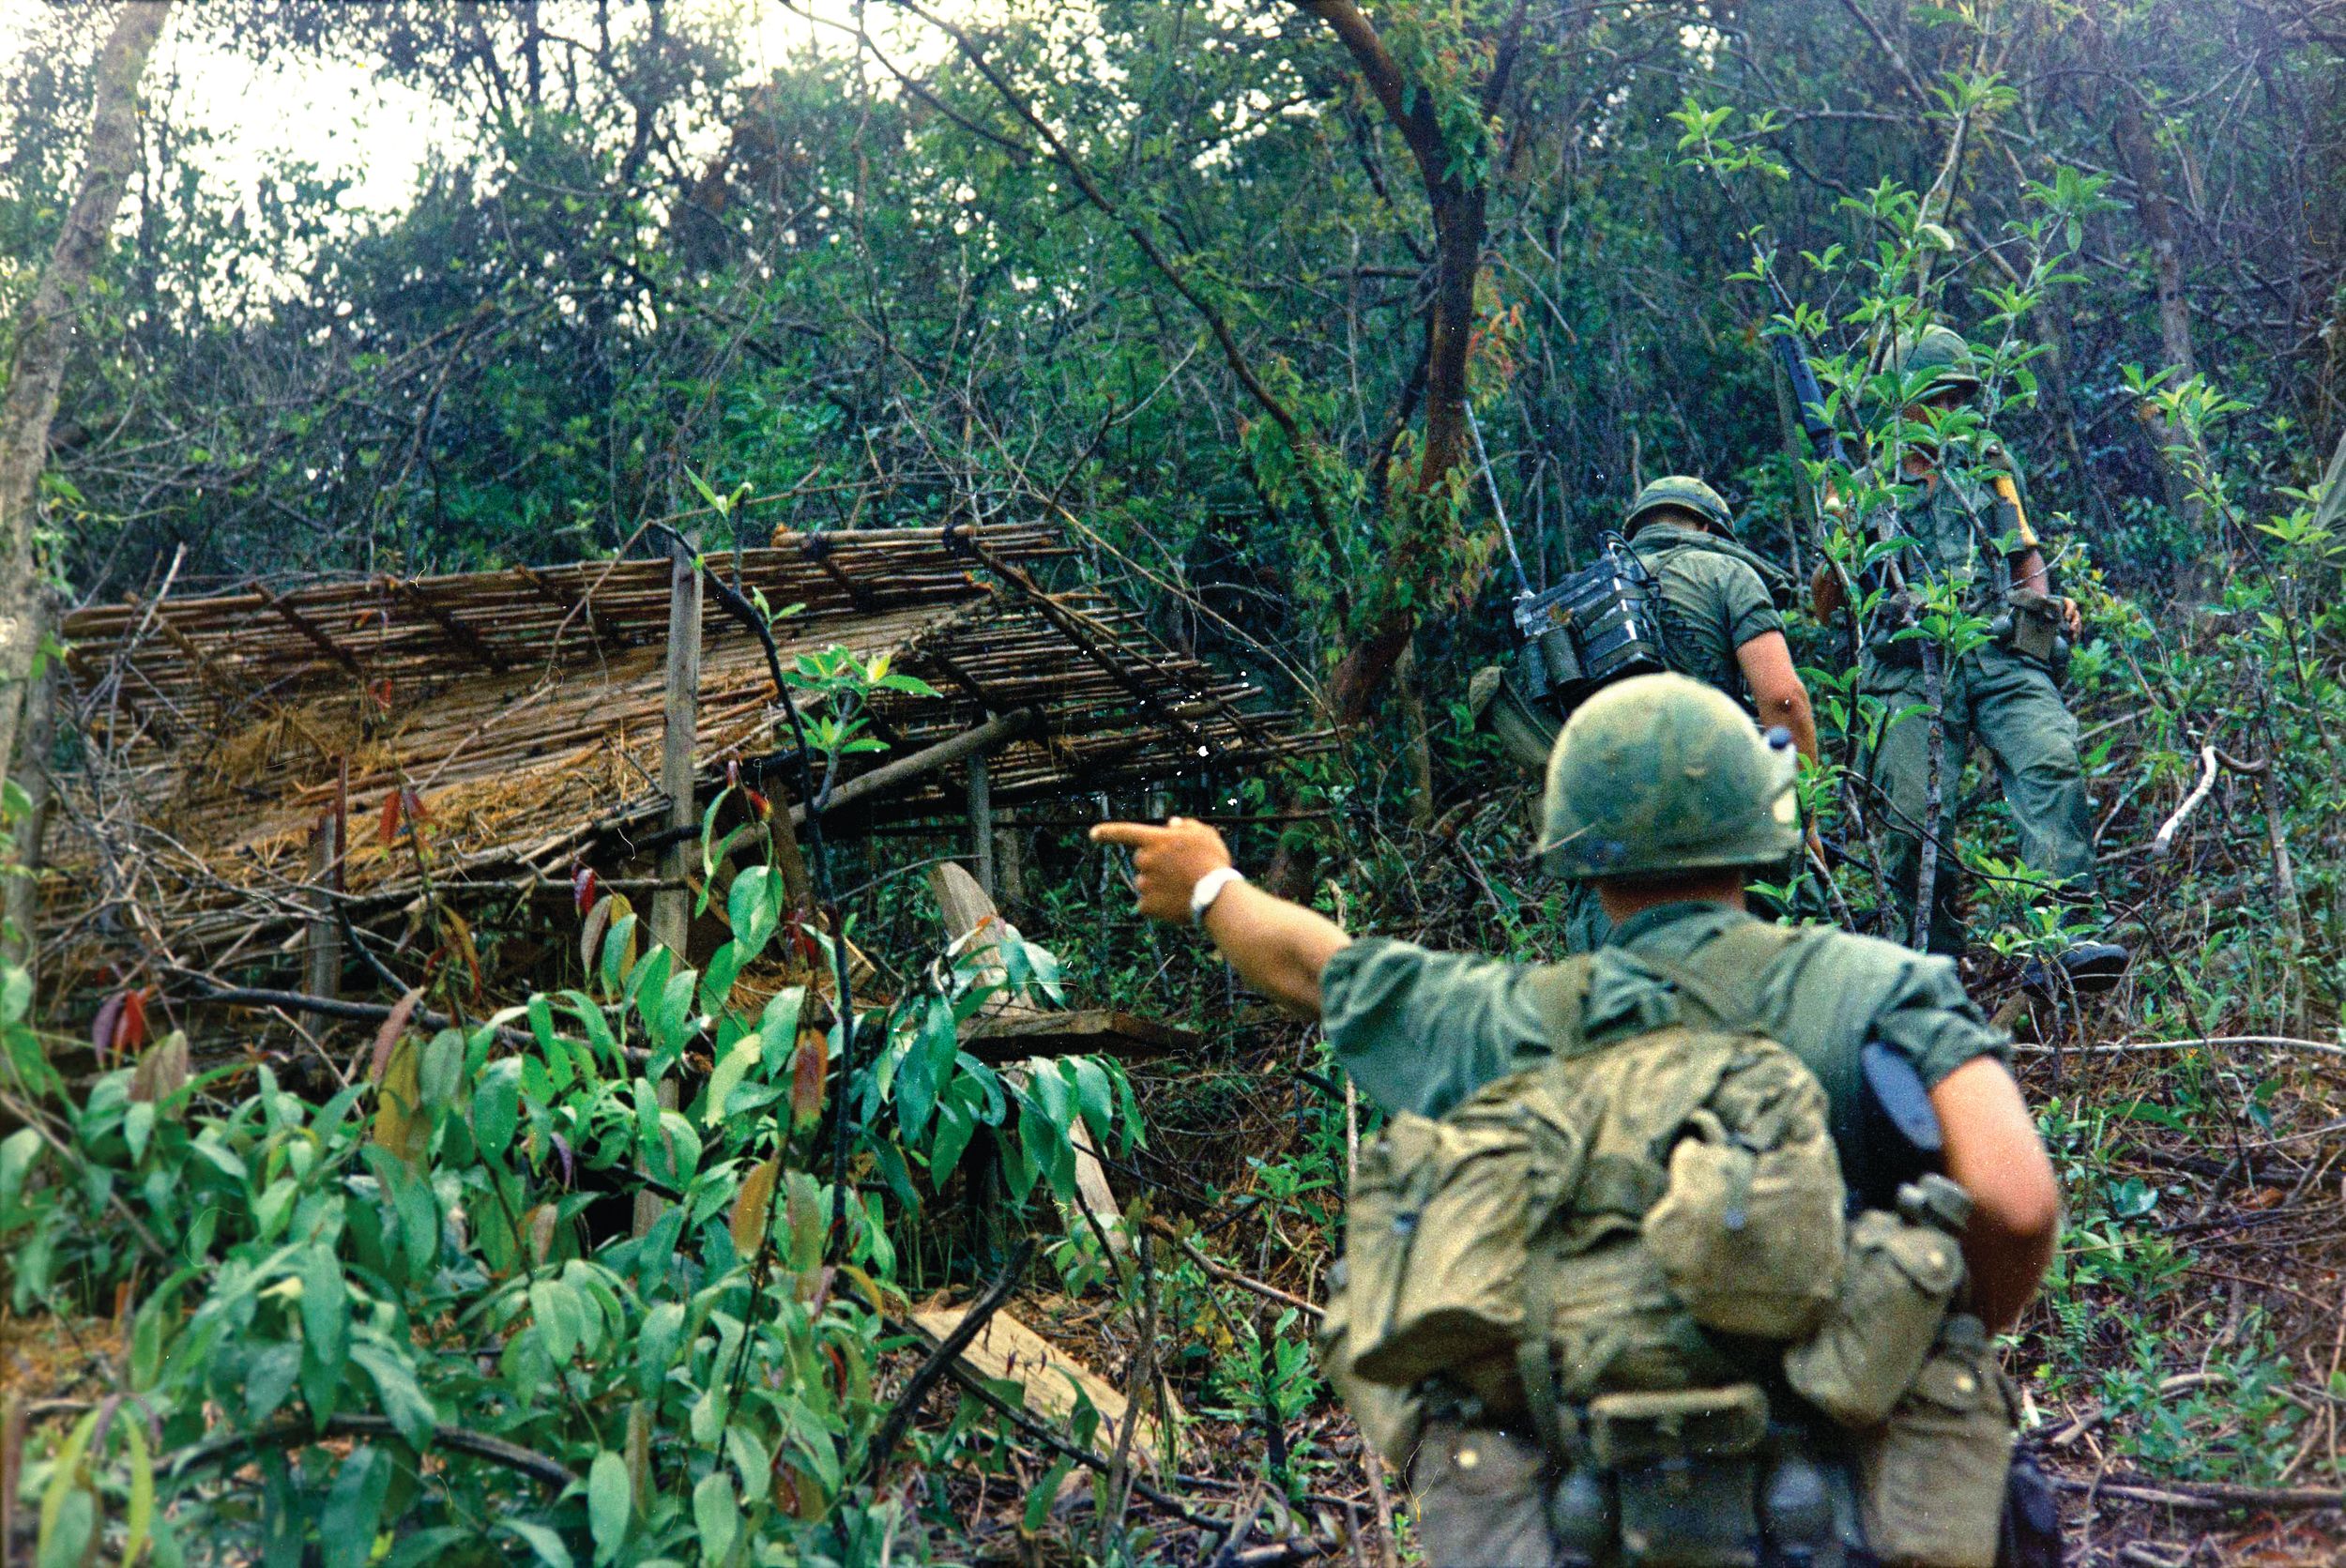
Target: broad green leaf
496, 1101
716, 1516
726, 1078
324, 1327
404, 1403
354, 1508
609, 1502
542, 1541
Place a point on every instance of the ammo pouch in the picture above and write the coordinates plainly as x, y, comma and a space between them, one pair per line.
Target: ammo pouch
1686, 1472
1932, 1479
2030, 625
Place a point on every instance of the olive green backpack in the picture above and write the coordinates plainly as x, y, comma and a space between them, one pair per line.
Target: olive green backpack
1602, 1210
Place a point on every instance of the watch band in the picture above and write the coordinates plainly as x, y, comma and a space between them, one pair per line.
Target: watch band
1209, 888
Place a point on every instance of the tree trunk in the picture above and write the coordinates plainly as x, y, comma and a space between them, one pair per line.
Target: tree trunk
2138, 151
44, 339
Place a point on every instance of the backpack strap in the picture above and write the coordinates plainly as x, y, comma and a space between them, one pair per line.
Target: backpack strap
1731, 998
1559, 993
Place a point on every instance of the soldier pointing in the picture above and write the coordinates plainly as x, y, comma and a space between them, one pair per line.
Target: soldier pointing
1662, 795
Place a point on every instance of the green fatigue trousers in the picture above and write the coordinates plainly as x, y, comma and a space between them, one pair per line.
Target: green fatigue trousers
2010, 704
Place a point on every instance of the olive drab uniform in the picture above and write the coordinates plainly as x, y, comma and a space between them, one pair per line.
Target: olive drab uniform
1635, 1421
1483, 1479
1715, 596
1969, 520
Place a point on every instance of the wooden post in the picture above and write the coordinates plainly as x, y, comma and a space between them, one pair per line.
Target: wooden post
671, 907
1010, 852
981, 821
322, 938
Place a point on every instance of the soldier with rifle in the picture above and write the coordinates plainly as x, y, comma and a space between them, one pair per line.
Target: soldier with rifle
1557, 1392
1710, 612
1956, 493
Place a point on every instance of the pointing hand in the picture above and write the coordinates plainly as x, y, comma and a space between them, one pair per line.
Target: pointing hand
1167, 861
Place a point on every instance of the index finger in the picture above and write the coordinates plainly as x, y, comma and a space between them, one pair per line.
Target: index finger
1133, 833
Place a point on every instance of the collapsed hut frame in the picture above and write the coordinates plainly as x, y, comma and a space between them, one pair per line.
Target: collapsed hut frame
256, 765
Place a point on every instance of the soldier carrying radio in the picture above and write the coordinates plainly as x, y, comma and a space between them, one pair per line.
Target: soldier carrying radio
1684, 1254
1959, 495
1674, 590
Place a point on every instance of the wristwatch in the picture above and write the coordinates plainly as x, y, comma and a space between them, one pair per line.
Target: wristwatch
1209, 888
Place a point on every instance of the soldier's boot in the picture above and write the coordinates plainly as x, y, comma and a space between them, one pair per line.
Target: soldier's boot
2089, 968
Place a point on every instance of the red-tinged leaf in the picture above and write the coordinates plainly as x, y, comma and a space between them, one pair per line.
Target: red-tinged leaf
131, 1031
381, 691
759, 804
733, 772
102, 1028
584, 889
599, 918
388, 1036
752, 1209
412, 803
806, 1079
388, 828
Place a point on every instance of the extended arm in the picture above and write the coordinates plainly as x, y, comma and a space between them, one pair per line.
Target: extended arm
1993, 1152
1776, 689
1276, 947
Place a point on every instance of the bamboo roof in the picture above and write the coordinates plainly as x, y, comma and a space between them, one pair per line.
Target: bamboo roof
524, 708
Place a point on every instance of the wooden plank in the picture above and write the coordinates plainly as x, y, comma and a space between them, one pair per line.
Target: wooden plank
1007, 1350
1092, 1032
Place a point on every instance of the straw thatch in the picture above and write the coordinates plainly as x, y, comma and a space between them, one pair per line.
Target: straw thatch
523, 709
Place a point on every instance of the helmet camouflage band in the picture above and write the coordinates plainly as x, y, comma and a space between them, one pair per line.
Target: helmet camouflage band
1685, 492
1941, 351
1659, 774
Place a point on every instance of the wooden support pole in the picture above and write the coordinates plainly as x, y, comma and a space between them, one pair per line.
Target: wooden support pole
672, 907
982, 822
322, 937
889, 775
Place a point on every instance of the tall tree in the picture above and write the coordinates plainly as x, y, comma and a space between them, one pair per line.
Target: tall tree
44, 337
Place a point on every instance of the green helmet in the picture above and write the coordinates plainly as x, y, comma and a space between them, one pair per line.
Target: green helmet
1682, 491
1943, 351
1660, 774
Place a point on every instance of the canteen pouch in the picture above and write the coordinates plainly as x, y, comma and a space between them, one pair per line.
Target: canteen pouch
1895, 1290
1685, 1469
1751, 1240
1931, 1479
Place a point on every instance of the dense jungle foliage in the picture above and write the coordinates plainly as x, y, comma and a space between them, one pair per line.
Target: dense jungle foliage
1274, 307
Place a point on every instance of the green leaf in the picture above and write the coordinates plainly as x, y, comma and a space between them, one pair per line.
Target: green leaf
727, 1077
62, 1538
717, 1517
543, 1542
324, 1327
955, 1126
404, 1400
496, 1101
354, 1508
1046, 1492
778, 1028
609, 1501
16, 1157
550, 1305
